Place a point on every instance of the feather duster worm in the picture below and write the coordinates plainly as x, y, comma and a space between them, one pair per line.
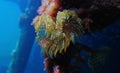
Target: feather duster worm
59, 32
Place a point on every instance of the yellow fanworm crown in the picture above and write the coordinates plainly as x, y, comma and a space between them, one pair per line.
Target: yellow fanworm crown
58, 32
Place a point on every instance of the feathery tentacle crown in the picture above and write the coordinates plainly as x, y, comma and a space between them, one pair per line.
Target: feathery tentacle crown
59, 31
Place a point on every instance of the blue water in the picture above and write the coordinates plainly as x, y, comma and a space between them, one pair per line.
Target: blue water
10, 32
10, 12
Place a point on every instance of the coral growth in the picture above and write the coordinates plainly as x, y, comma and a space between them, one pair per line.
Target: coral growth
49, 7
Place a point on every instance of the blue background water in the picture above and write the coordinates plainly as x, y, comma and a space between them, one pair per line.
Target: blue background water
10, 31
10, 12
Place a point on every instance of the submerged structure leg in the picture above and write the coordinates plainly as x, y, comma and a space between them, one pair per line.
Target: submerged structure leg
26, 40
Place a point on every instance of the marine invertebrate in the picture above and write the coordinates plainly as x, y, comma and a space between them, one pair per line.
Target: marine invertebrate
58, 33
49, 7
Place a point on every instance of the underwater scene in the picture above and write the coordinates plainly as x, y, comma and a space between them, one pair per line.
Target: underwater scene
60, 36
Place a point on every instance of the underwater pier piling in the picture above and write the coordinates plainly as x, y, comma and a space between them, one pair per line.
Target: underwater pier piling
22, 52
